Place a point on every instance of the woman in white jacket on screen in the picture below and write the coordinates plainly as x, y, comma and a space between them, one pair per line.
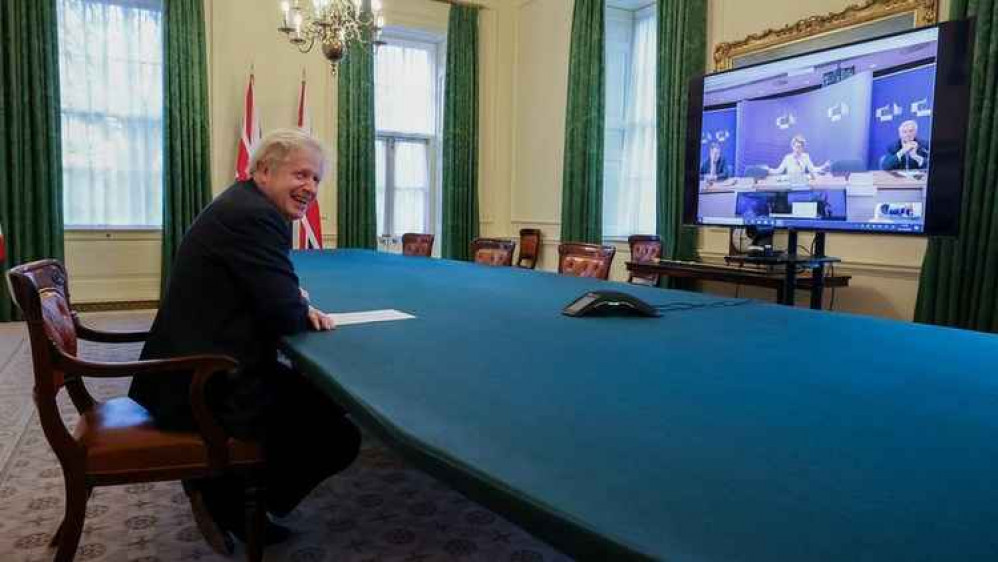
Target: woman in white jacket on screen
798, 163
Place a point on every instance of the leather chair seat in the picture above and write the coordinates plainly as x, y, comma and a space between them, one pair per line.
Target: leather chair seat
119, 436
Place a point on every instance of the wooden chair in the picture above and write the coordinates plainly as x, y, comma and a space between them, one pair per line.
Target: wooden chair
115, 442
585, 260
530, 248
492, 251
644, 248
414, 244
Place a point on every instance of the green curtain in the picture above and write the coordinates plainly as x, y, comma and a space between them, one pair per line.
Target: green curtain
460, 181
959, 280
356, 221
186, 128
682, 47
582, 183
30, 136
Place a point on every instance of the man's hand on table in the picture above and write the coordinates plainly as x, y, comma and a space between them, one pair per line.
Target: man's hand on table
319, 320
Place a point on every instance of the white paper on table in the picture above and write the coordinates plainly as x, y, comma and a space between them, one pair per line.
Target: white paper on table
366, 316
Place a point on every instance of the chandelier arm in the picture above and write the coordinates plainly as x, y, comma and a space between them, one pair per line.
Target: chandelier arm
306, 49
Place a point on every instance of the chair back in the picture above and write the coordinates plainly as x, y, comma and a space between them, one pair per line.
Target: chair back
492, 251
585, 260
530, 248
415, 244
41, 290
644, 248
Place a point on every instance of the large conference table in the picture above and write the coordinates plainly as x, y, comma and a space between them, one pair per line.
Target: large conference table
725, 430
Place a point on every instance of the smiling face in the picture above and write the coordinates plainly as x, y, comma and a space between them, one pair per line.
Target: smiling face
907, 131
293, 184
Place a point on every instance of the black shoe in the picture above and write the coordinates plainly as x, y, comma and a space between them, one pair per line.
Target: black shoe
216, 537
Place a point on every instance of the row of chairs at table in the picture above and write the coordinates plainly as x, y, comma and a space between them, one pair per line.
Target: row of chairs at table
574, 258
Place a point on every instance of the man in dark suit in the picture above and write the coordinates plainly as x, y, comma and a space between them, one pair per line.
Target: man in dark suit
714, 168
233, 291
908, 152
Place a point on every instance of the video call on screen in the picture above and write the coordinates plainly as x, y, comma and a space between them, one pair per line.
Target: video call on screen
834, 140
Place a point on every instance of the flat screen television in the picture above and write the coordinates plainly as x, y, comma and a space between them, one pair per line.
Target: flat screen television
865, 137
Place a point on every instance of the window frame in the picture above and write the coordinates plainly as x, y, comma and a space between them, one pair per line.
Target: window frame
634, 15
110, 229
391, 138
435, 45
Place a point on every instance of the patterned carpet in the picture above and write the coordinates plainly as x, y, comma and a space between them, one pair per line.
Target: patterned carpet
378, 510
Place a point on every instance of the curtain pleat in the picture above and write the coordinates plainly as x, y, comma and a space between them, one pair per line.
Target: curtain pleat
959, 278
356, 222
582, 180
186, 128
682, 46
460, 165
30, 145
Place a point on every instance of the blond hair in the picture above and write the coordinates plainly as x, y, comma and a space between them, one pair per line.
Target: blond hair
274, 148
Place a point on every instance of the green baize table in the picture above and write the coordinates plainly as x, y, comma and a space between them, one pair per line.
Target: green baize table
722, 431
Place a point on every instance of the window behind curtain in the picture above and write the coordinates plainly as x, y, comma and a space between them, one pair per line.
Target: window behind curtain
406, 101
630, 149
111, 72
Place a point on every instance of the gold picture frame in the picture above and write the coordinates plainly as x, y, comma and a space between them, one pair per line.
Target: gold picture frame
859, 21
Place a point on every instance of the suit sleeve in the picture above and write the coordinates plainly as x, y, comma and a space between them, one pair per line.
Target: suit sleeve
256, 254
783, 166
890, 159
722, 169
923, 151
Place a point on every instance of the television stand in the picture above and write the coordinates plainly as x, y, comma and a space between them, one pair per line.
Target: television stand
791, 262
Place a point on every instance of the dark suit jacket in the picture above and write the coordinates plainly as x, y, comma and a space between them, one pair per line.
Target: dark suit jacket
721, 168
906, 162
233, 290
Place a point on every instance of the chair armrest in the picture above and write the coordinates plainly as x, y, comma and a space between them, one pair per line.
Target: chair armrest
74, 366
203, 367
85, 332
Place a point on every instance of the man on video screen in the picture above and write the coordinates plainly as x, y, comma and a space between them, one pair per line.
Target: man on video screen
908, 152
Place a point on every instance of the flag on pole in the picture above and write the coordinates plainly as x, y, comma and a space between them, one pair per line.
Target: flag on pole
307, 231
249, 135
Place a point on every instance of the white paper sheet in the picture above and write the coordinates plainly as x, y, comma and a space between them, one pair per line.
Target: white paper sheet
363, 317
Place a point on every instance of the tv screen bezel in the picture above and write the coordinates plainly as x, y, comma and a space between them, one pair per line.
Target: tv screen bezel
944, 190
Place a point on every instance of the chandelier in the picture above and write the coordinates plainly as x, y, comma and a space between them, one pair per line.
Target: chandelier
333, 24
